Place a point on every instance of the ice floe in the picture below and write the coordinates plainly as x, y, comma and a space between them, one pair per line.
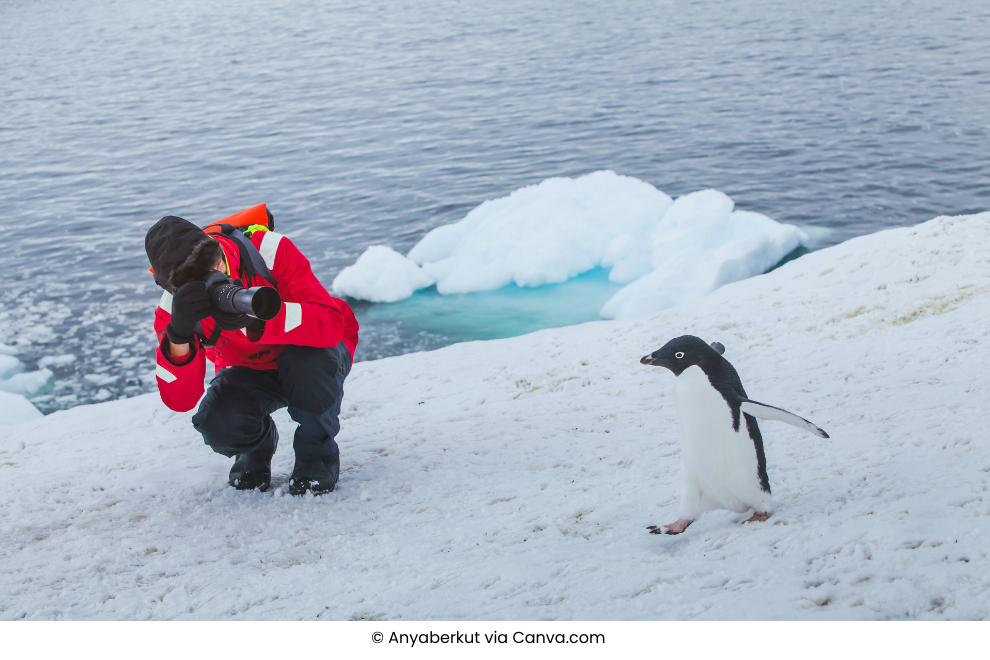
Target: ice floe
667, 252
15, 409
56, 360
16, 385
9, 365
29, 383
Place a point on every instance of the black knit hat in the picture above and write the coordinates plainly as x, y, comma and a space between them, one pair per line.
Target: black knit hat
169, 243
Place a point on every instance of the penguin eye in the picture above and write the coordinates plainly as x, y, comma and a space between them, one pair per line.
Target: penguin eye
678, 355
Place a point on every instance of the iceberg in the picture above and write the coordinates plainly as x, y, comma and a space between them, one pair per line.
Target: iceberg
381, 275
666, 252
700, 245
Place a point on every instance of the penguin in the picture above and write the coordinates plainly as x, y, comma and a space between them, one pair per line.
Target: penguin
723, 465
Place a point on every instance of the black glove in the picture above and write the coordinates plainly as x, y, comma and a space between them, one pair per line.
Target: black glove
255, 328
228, 320
190, 305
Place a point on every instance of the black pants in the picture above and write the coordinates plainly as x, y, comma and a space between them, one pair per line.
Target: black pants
235, 415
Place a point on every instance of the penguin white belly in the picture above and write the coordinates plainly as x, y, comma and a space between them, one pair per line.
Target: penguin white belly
719, 461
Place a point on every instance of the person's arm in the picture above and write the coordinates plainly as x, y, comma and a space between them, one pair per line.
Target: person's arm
178, 350
310, 316
180, 366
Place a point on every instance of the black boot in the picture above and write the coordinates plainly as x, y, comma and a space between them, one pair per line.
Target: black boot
254, 470
316, 474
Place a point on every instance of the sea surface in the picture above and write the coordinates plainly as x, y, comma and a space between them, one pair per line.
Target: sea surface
373, 122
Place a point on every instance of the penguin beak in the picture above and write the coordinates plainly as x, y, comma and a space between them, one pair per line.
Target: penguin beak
654, 361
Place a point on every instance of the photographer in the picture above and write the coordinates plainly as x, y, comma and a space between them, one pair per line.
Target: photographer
299, 358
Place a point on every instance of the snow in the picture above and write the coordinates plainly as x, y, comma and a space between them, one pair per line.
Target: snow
668, 252
514, 479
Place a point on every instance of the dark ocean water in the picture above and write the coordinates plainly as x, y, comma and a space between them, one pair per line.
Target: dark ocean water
373, 122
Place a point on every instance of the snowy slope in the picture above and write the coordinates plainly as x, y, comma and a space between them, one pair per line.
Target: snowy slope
515, 478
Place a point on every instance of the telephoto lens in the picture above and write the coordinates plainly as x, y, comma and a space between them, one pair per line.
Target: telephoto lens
261, 302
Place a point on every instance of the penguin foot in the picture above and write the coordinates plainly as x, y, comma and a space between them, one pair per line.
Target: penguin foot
672, 528
757, 517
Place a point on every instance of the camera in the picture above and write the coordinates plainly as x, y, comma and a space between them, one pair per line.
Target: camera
261, 302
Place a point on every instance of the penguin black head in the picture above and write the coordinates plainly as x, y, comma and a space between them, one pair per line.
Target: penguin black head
683, 352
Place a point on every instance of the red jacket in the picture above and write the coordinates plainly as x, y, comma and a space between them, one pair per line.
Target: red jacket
309, 317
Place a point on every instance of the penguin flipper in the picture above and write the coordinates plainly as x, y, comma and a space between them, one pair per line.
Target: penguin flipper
763, 411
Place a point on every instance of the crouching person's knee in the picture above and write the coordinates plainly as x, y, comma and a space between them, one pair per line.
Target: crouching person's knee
313, 378
231, 421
